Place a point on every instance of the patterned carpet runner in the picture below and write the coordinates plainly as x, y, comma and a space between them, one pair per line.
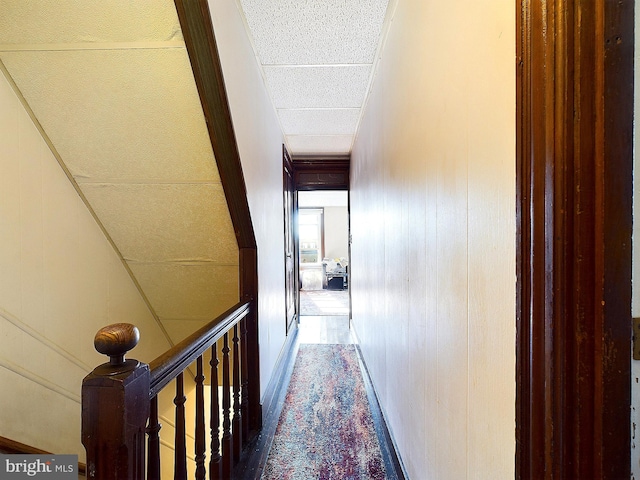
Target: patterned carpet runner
325, 430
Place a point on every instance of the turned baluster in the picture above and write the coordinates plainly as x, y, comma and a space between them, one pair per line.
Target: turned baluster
200, 429
153, 431
215, 464
237, 413
244, 374
227, 439
115, 407
180, 466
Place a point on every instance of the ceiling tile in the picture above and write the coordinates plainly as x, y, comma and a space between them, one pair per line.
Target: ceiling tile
71, 21
188, 291
137, 112
330, 144
152, 223
318, 87
287, 32
320, 122
111, 84
179, 329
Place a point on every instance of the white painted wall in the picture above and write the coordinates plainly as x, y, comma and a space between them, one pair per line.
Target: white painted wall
260, 144
433, 226
336, 232
60, 281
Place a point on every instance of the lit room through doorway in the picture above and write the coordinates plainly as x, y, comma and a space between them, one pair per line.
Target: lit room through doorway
323, 246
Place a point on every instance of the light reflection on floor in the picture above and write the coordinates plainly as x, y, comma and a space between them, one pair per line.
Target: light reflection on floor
325, 329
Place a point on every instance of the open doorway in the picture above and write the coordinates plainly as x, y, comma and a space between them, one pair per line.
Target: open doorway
323, 246
318, 270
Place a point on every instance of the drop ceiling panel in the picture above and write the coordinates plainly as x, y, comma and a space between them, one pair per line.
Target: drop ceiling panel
59, 21
287, 32
180, 329
331, 144
134, 114
159, 223
318, 87
320, 122
110, 82
317, 55
199, 291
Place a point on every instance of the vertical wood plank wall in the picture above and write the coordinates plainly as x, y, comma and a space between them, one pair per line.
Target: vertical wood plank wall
433, 225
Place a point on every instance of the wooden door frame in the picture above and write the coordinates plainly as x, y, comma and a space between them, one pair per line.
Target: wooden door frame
574, 216
321, 172
288, 171
312, 172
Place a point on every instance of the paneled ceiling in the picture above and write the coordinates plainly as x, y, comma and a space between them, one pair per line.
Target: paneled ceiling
110, 85
317, 59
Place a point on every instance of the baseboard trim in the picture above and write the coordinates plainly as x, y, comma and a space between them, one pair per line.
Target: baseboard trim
388, 445
274, 386
11, 447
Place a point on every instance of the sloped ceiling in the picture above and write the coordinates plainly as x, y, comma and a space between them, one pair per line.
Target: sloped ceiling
317, 59
110, 84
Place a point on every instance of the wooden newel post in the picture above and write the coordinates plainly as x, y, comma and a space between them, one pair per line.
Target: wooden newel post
115, 408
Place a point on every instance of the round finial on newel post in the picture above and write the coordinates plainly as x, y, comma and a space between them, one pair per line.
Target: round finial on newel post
116, 340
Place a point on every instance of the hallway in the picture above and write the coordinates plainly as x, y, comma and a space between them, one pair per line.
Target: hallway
136, 191
314, 331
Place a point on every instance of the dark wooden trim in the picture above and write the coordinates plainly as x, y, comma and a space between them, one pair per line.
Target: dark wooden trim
197, 29
327, 159
616, 225
249, 290
290, 213
321, 173
392, 461
11, 447
286, 159
115, 410
167, 366
287, 356
574, 211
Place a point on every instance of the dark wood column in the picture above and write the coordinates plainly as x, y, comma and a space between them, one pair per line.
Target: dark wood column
574, 174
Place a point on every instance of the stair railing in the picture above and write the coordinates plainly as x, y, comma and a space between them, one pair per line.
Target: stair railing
120, 401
